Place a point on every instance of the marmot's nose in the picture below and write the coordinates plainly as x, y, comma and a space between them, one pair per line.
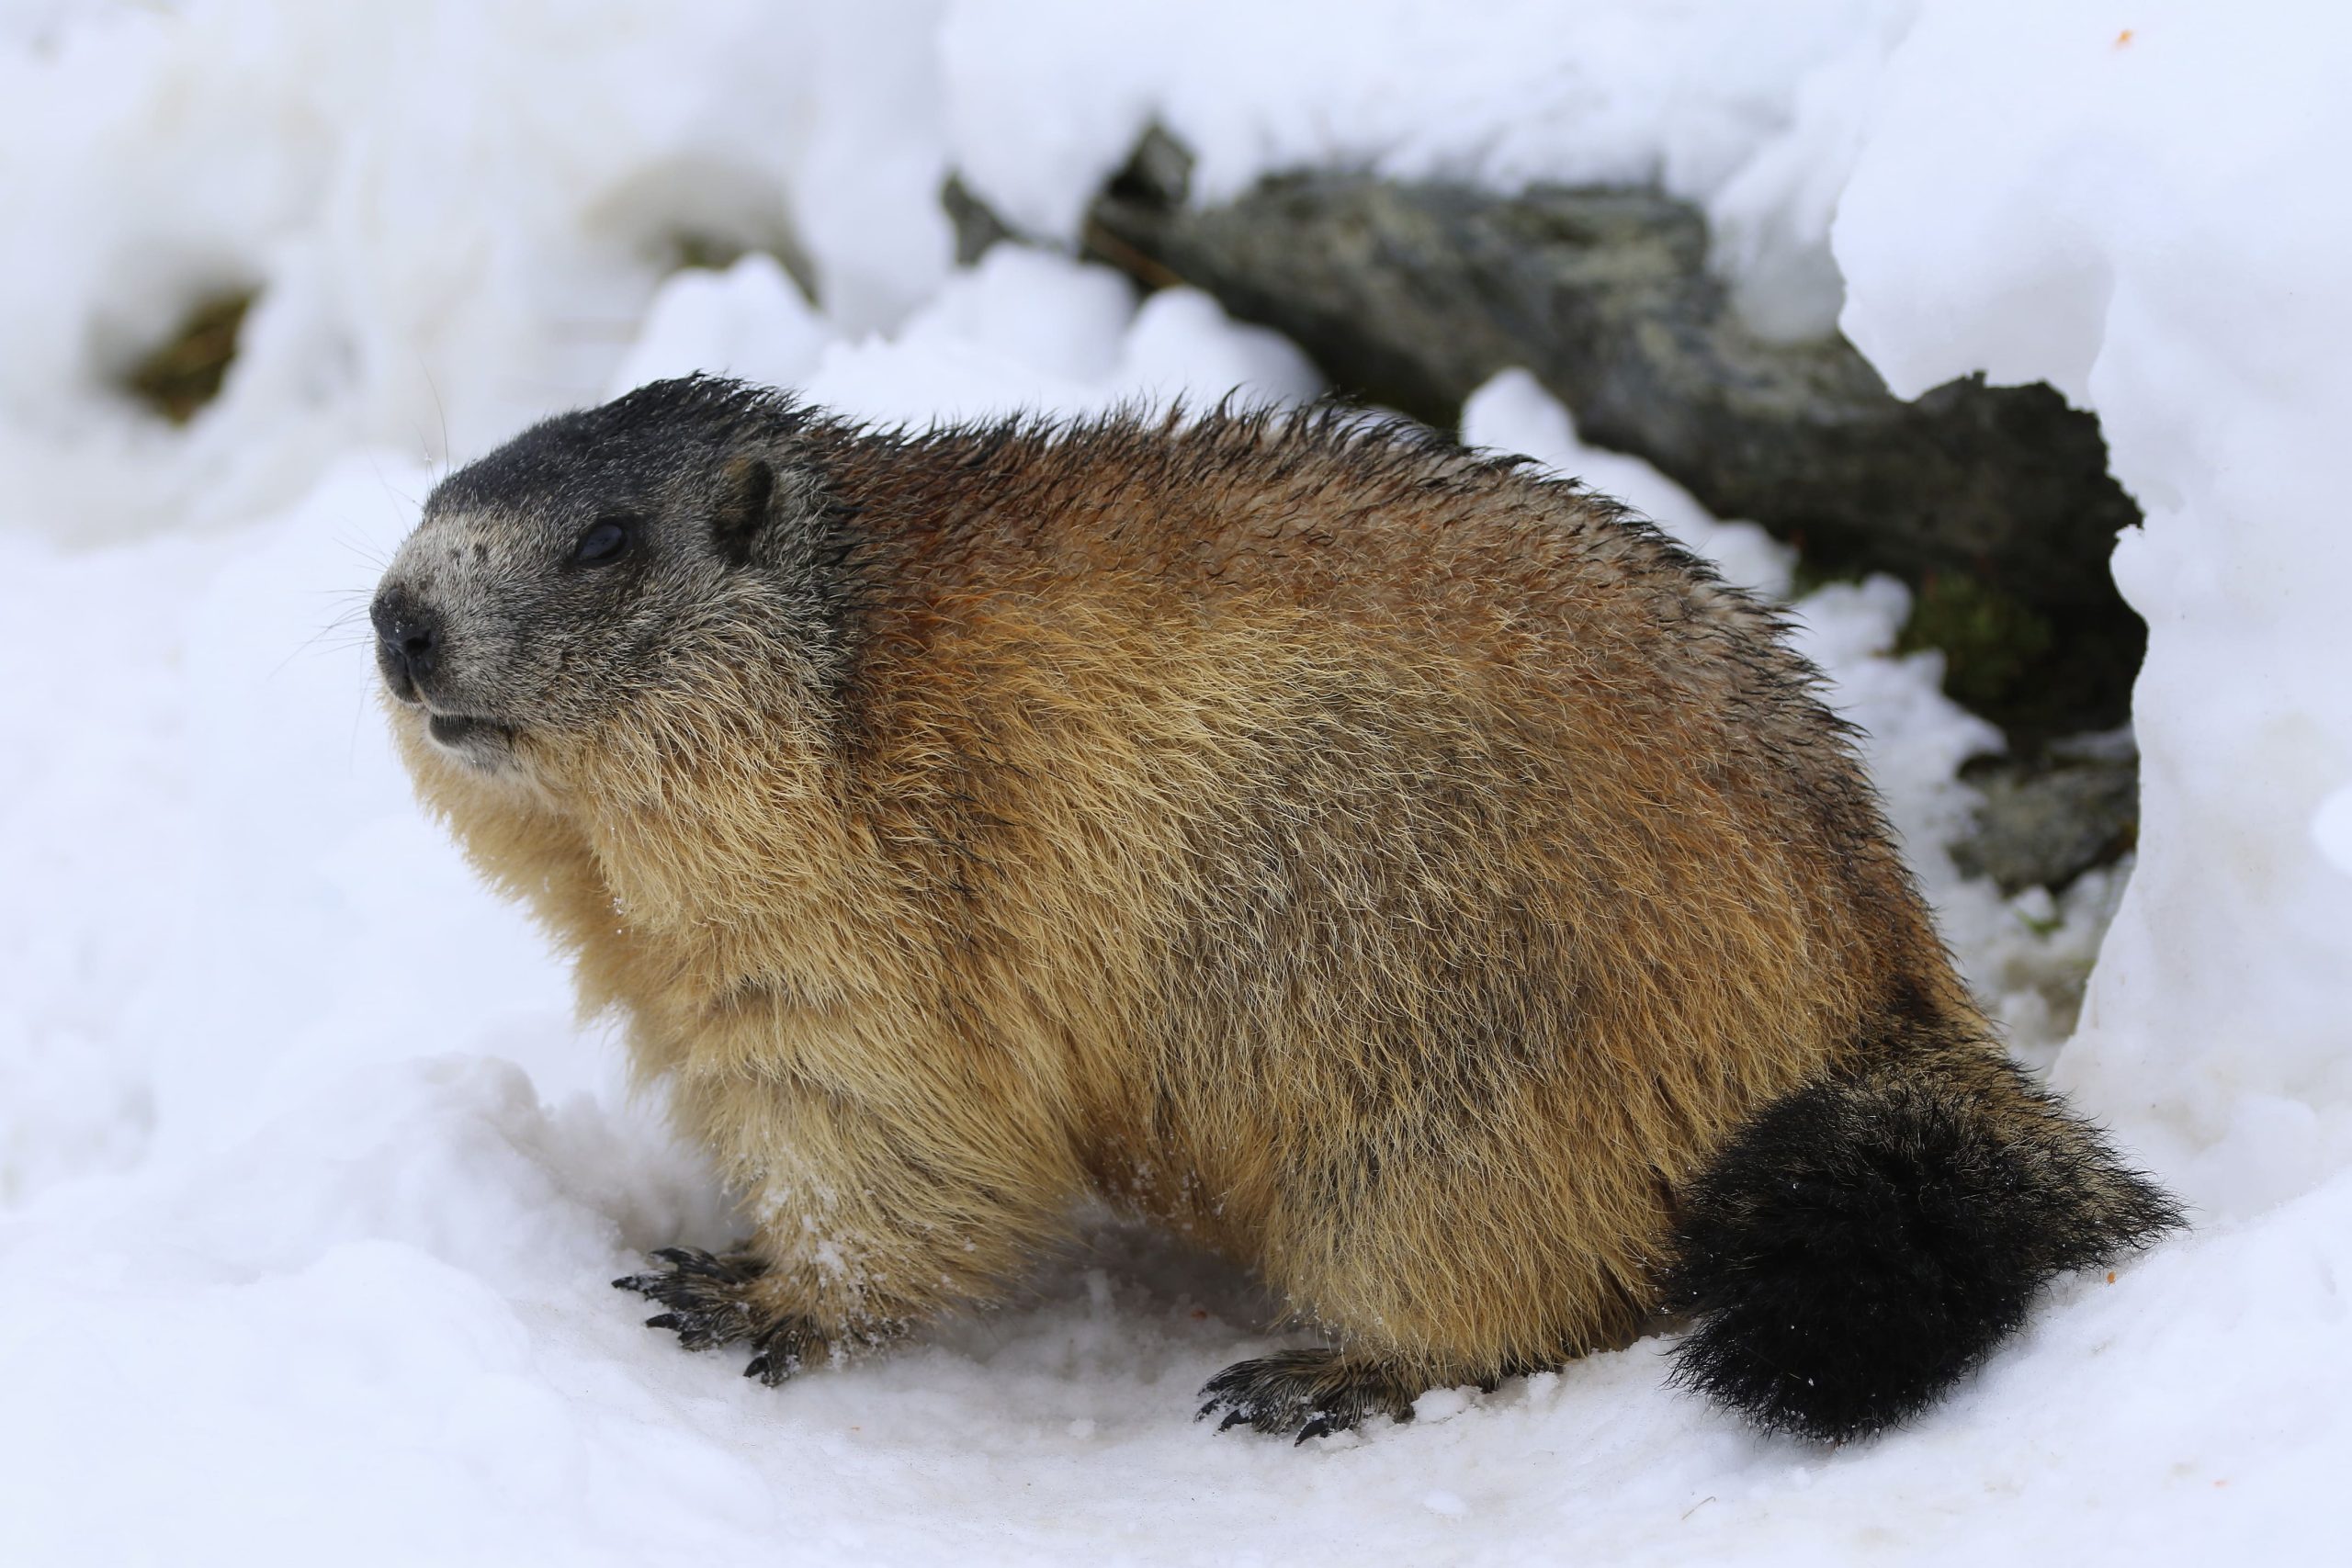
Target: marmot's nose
408, 641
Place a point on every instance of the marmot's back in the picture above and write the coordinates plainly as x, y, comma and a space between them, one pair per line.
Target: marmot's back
1480, 828
1416, 878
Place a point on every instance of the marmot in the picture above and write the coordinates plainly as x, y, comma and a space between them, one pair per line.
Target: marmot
1417, 879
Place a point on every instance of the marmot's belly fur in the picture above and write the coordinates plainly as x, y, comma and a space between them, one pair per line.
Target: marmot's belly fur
1415, 879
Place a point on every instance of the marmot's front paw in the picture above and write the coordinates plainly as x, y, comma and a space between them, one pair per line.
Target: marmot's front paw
1311, 1394
711, 1302
705, 1293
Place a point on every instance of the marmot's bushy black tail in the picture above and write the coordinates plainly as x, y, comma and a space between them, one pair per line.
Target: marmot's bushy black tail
1862, 1242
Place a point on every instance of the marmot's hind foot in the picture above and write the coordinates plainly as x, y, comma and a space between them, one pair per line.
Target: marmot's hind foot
710, 1301
1311, 1394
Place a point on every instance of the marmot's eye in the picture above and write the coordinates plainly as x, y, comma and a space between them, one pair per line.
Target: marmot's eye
606, 540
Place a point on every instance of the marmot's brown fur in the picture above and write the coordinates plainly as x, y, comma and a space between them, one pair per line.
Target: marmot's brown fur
1416, 879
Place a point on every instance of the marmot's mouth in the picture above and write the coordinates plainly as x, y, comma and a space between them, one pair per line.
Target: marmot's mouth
458, 732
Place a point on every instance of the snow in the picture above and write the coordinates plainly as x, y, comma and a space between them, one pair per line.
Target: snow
311, 1184
456, 214
2186, 286
1753, 111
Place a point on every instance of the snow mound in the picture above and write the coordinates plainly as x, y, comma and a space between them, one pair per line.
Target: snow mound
453, 215
2149, 234
1754, 112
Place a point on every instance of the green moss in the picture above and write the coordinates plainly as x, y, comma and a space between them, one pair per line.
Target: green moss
186, 370
1807, 574
1992, 644
705, 253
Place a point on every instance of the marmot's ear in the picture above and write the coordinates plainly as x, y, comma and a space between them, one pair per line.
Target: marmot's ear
746, 493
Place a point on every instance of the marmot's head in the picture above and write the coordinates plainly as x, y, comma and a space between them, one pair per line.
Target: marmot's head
606, 555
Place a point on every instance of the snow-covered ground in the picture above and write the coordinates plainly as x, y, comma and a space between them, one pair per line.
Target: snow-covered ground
309, 1184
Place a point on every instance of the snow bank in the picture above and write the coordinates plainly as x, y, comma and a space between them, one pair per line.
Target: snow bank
2154, 231
1753, 111
310, 1186
454, 215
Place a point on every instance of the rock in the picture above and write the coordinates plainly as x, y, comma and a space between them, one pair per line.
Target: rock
1994, 503
2051, 817
976, 225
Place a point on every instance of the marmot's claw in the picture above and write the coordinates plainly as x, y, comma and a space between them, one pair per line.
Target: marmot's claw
704, 1292
783, 1348
1307, 1393
736, 1263
703, 1330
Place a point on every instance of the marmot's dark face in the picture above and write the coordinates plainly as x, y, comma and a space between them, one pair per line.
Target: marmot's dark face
592, 560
